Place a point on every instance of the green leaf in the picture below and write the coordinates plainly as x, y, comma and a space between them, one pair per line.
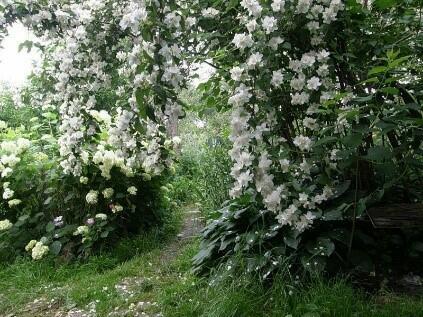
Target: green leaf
377, 70
291, 239
385, 126
314, 264
378, 153
55, 247
50, 227
389, 90
340, 189
335, 214
26, 44
321, 246
352, 140
139, 96
326, 140
384, 4
47, 201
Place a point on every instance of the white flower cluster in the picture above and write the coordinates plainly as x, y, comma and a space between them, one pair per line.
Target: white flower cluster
80, 65
5, 225
255, 168
85, 58
37, 248
10, 150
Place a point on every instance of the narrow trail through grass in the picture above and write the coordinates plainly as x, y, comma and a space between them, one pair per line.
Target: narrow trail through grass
104, 285
156, 281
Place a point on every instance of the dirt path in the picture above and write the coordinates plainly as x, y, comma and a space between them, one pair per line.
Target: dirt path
192, 224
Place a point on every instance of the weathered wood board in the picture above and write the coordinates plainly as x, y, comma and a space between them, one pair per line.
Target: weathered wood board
397, 216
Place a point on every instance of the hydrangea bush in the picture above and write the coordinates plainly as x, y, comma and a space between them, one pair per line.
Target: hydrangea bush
111, 74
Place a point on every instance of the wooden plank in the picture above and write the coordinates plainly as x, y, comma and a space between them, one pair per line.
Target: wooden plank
397, 216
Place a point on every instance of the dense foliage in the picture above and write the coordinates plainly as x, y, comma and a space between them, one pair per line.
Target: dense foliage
326, 117
326, 122
107, 92
203, 164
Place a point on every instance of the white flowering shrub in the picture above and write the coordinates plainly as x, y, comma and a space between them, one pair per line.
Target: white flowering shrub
325, 97
325, 123
110, 74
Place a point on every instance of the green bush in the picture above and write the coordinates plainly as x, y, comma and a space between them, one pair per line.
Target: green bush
44, 211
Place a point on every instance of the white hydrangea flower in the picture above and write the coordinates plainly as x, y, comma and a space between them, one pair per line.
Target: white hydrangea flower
81, 230
108, 193
117, 208
209, 12
14, 202
132, 190
236, 73
285, 164
101, 216
270, 24
242, 41
310, 123
300, 98
92, 197
5, 225
39, 251
8, 193
253, 6
254, 60
314, 83
277, 78
31, 244
278, 5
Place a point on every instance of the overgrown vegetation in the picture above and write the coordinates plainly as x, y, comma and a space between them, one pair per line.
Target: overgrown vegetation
311, 117
112, 285
203, 170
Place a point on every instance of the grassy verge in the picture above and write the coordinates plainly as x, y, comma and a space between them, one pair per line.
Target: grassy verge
156, 284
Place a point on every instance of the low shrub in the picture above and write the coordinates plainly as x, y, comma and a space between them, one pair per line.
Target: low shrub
45, 211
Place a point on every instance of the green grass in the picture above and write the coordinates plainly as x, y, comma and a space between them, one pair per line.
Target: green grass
167, 280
